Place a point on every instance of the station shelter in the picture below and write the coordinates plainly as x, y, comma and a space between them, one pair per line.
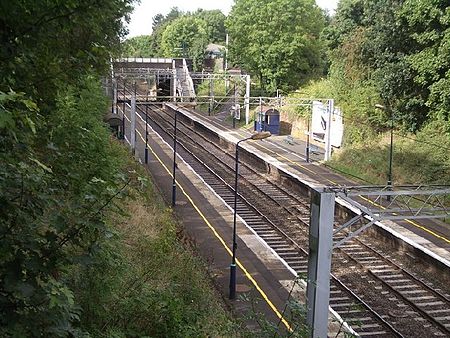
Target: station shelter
268, 119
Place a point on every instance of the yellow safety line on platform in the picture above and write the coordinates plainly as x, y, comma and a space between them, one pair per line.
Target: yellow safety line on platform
431, 232
417, 225
366, 199
295, 163
222, 241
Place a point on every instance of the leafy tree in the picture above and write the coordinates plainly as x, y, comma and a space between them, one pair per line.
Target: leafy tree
139, 46
400, 50
428, 25
185, 37
277, 40
57, 171
160, 22
157, 20
197, 29
60, 39
215, 24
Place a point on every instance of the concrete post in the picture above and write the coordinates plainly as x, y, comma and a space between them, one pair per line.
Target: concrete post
319, 262
330, 111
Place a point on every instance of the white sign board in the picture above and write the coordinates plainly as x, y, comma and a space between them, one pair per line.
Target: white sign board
235, 111
319, 124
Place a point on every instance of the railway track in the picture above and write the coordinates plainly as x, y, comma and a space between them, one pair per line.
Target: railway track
410, 307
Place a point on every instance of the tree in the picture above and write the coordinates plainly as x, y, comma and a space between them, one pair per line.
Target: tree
277, 40
185, 37
428, 24
215, 24
139, 46
160, 22
56, 165
60, 39
399, 49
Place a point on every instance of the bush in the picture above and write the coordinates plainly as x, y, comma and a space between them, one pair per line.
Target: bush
143, 282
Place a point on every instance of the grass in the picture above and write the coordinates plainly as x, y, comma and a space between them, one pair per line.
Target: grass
143, 281
414, 162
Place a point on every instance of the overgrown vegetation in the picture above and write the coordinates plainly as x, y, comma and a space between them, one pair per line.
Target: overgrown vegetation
142, 281
277, 41
392, 53
70, 266
417, 159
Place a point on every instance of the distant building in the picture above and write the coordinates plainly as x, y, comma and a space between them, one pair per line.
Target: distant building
214, 57
214, 51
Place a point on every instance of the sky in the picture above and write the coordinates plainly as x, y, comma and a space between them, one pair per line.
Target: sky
141, 19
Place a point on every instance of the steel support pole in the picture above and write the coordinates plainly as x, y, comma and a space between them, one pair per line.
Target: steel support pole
391, 154
133, 124
307, 141
174, 183
247, 99
330, 110
114, 88
174, 80
232, 294
146, 131
211, 97
260, 116
319, 262
235, 107
123, 110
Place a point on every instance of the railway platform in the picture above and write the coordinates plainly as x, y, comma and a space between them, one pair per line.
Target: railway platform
262, 274
266, 286
433, 236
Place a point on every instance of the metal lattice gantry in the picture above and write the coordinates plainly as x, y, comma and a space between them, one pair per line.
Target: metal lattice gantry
370, 204
156, 69
392, 203
141, 73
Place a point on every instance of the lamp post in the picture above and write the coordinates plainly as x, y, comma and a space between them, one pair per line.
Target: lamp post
391, 146
235, 107
307, 141
146, 129
255, 136
174, 185
123, 110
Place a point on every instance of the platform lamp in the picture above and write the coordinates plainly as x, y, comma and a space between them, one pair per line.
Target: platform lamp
123, 109
255, 136
308, 140
174, 183
391, 146
146, 129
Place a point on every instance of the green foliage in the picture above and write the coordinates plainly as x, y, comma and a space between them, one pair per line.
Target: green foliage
139, 46
160, 22
215, 24
143, 282
400, 49
43, 43
55, 180
179, 34
57, 170
185, 37
428, 23
418, 159
277, 41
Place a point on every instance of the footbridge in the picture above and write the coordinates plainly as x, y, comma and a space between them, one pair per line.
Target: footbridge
171, 79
